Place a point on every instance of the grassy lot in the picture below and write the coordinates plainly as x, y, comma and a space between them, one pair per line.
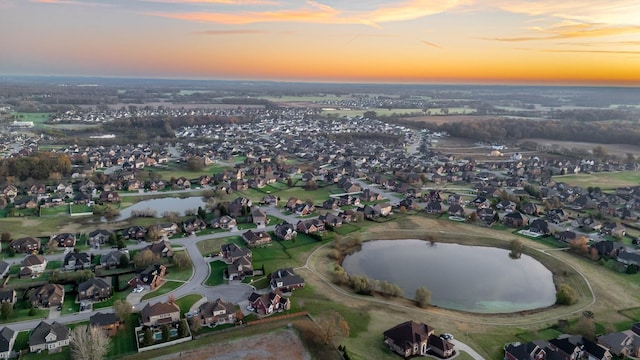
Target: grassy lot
216, 273
124, 343
182, 275
38, 118
76, 209
212, 246
186, 302
54, 211
605, 180
65, 354
380, 112
181, 170
21, 312
54, 265
70, 306
118, 295
164, 289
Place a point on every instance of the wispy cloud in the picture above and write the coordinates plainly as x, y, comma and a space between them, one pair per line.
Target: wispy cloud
71, 2
231, 32
431, 44
221, 2
628, 52
573, 31
316, 12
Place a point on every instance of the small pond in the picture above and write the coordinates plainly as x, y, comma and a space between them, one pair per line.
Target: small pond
469, 278
162, 205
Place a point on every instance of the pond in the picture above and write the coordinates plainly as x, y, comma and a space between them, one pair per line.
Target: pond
469, 278
160, 206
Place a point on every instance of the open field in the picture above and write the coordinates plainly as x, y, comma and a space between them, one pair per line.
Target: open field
605, 180
619, 150
441, 119
379, 112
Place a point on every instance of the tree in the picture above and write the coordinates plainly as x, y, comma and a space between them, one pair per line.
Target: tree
361, 285
124, 261
88, 343
148, 337
423, 297
195, 164
122, 309
183, 329
566, 295
145, 258
195, 324
6, 310
586, 327
516, 249
166, 332
332, 326
182, 260
600, 152
6, 237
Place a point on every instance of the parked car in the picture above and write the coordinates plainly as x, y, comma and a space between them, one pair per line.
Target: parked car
446, 336
138, 289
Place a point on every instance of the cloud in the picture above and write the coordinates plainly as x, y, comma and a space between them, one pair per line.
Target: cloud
319, 13
628, 52
231, 32
221, 2
574, 31
431, 44
70, 2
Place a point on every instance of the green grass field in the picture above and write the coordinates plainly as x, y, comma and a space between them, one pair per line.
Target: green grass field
186, 302
181, 275
216, 273
164, 289
604, 180
379, 112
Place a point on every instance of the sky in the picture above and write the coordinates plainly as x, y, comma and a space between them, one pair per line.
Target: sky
570, 42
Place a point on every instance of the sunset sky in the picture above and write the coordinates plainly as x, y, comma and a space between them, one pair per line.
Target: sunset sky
400, 41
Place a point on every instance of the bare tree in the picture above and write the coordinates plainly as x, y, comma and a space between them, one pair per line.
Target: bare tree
182, 260
88, 343
145, 258
332, 326
423, 297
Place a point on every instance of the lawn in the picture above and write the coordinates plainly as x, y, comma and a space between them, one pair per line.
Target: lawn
216, 273
54, 211
186, 302
124, 343
166, 288
118, 295
70, 306
21, 312
212, 246
77, 209
604, 180
182, 275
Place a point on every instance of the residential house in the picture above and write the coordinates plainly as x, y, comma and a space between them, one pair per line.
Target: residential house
532, 350
109, 197
256, 238
27, 202
82, 198
440, 346
259, 217
456, 210
95, 289
331, 220
486, 215
569, 350
621, 344
134, 232
194, 225
604, 248
25, 245
409, 203
285, 231
530, 209
515, 219
433, 207
303, 209
557, 215
64, 239
47, 295
161, 248
383, 208
7, 340
8, 295
310, 226
269, 200
33, 265
224, 222
99, 237
267, 304
232, 252
49, 337
369, 195
108, 322
161, 313
566, 236
112, 259
10, 191
506, 206
152, 276
217, 312
539, 226
409, 338
481, 202
76, 261
628, 258
331, 204
285, 280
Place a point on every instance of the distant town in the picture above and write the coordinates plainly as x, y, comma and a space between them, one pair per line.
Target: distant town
156, 217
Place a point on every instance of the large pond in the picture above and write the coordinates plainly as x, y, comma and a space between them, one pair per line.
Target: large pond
470, 278
160, 206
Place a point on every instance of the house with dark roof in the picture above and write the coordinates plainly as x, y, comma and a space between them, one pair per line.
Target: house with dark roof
47, 295
515, 219
409, 338
621, 344
50, 337
285, 231
532, 350
285, 280
161, 248
108, 322
99, 237
112, 259
76, 261
134, 233
217, 312
539, 226
224, 222
33, 265
193, 225
8, 295
4, 268
7, 340
64, 239
152, 276
161, 313
25, 245
259, 217
256, 238
95, 289
440, 346
267, 304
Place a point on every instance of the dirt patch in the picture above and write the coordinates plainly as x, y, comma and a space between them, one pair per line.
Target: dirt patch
614, 149
277, 345
437, 120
